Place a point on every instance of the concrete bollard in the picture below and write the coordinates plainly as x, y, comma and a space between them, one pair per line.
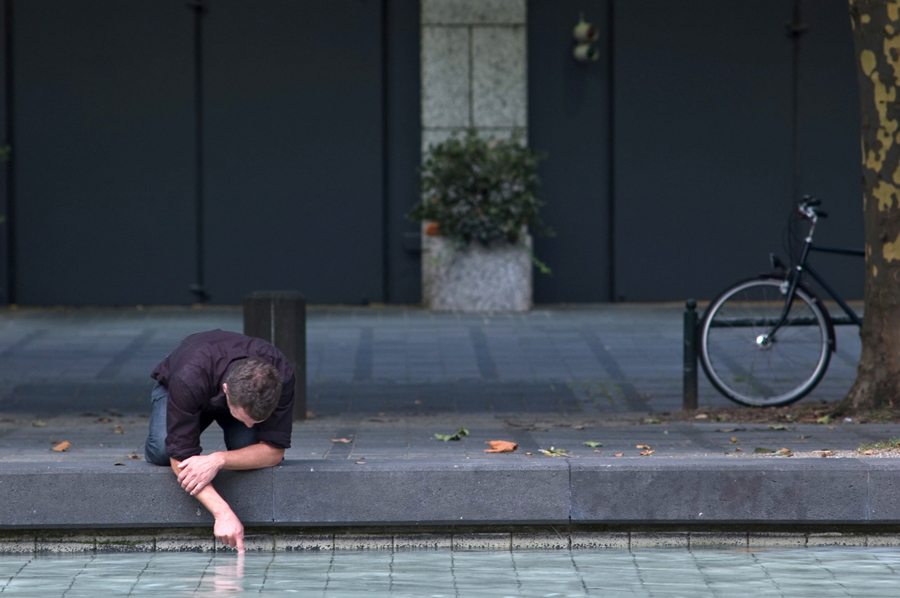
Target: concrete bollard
279, 317
689, 397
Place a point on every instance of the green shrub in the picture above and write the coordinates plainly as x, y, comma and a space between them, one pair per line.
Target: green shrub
483, 190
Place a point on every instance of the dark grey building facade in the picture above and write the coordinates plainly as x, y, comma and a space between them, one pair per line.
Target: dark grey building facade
233, 146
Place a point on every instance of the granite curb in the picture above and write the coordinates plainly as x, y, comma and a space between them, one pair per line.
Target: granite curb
688, 493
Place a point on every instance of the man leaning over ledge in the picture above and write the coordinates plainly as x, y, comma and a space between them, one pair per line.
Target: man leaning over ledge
245, 385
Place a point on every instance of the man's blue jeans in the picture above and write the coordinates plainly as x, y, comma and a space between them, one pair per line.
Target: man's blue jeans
237, 435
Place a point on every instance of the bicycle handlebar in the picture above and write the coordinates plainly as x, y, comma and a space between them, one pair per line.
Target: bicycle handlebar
807, 208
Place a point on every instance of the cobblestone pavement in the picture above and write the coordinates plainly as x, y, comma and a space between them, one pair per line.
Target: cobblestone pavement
387, 379
820, 572
604, 359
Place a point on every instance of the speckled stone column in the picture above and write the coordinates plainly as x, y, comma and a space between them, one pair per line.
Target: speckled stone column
474, 68
474, 76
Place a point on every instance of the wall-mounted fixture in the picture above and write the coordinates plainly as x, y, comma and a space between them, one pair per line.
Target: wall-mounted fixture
585, 34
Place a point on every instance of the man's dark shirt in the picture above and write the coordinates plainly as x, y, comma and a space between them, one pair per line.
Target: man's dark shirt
194, 372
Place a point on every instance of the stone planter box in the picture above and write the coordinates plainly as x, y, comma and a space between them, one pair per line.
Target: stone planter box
476, 278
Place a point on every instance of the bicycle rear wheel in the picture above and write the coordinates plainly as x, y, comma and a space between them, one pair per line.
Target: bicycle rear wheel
751, 369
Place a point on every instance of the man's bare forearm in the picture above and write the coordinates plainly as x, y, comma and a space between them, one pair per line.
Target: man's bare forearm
255, 456
207, 496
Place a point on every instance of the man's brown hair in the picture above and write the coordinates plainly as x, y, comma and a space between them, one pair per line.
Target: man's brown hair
254, 385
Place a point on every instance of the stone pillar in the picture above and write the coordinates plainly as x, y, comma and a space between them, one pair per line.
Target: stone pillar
474, 68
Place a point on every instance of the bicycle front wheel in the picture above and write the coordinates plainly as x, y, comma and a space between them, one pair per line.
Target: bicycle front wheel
750, 366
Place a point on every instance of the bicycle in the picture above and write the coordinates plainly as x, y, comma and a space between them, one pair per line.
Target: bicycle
767, 341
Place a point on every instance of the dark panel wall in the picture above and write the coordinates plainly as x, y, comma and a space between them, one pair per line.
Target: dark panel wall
829, 137
703, 143
103, 156
404, 134
6, 215
568, 120
294, 148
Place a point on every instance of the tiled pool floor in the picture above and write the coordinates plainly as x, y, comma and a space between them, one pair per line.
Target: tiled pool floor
822, 572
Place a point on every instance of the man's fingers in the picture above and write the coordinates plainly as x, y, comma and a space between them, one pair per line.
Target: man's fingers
240, 544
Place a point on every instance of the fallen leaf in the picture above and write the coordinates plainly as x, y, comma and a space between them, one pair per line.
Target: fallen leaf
618, 454
38, 424
825, 419
642, 446
869, 452
596, 450
360, 462
529, 453
117, 463
593, 444
652, 420
103, 420
556, 452
134, 456
417, 402
738, 449
579, 427
831, 427
760, 449
62, 446
786, 452
805, 436
432, 230
447, 437
779, 427
501, 446
647, 452
342, 440
726, 430
701, 416
734, 440
310, 415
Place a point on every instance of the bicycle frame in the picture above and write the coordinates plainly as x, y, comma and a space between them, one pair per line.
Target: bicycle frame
801, 267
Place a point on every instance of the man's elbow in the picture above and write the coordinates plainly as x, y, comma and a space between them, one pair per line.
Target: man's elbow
276, 455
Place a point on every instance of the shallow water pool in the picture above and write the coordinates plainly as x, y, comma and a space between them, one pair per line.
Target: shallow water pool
823, 572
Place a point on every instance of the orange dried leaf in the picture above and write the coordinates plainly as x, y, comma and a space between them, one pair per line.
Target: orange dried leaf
869, 452
619, 454
647, 452
501, 446
62, 446
342, 440
642, 446
432, 230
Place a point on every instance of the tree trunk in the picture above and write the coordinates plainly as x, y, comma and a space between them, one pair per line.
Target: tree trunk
876, 34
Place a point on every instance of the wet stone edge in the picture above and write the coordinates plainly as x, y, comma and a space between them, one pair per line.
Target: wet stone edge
57, 541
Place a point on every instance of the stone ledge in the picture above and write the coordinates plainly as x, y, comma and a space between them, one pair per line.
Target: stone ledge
690, 494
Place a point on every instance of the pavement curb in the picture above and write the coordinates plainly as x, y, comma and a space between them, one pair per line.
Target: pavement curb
690, 493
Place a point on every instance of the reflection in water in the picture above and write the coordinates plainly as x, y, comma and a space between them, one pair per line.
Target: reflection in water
224, 575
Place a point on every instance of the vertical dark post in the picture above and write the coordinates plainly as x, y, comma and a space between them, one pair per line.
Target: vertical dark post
279, 317
199, 286
795, 29
10, 208
689, 401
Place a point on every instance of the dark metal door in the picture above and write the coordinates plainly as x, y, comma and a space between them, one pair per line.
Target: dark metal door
103, 151
105, 160
294, 148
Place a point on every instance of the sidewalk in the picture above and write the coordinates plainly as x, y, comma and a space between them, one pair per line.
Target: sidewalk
387, 380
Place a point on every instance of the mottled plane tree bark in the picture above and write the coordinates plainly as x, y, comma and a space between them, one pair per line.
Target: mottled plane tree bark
876, 34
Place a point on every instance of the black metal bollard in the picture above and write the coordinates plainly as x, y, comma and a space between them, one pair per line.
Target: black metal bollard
689, 399
279, 317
